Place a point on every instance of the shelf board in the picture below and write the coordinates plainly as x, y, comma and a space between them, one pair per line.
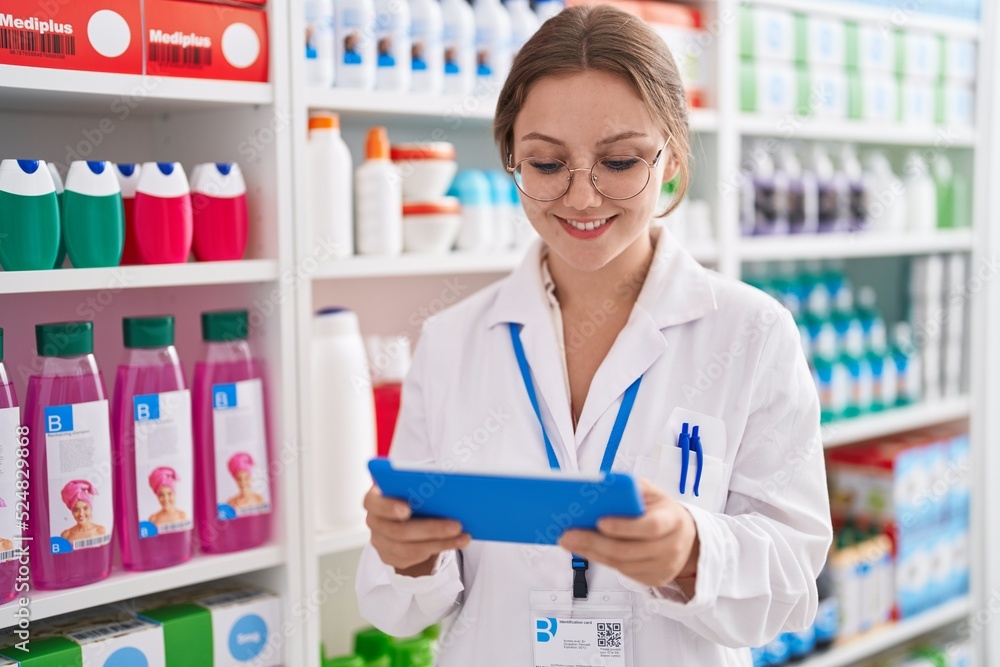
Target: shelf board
899, 420
790, 127
877, 641
40, 89
123, 585
893, 16
864, 244
130, 277
450, 110
341, 541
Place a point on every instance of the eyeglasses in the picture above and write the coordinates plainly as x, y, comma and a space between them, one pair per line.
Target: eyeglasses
615, 177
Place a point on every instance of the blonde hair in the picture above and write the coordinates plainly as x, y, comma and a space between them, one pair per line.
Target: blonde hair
605, 39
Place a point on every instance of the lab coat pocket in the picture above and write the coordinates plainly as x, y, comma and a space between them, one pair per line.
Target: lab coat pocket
713, 487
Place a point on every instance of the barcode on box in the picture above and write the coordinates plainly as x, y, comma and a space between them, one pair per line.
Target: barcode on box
10, 554
91, 542
27, 42
191, 56
106, 631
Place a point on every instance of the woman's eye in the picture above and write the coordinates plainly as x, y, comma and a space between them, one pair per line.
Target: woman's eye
619, 163
546, 168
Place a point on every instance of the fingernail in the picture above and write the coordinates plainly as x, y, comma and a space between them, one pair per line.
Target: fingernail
403, 512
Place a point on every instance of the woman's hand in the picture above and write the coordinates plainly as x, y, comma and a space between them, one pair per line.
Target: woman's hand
655, 549
407, 544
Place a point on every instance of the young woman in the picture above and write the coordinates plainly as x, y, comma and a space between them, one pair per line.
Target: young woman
608, 323
78, 496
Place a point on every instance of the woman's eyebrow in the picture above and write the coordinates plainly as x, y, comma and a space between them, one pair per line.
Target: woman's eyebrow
541, 137
621, 136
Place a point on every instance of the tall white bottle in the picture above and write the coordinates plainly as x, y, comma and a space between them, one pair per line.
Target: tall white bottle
546, 9
428, 47
493, 35
343, 419
459, 47
319, 43
523, 23
329, 212
378, 187
921, 195
885, 196
355, 44
393, 46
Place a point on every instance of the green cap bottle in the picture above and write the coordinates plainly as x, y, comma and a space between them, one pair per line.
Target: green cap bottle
412, 652
148, 332
64, 339
224, 326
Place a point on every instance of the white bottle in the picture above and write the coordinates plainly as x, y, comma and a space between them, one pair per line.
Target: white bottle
921, 195
343, 419
546, 9
329, 211
319, 43
885, 196
493, 36
850, 166
392, 45
459, 47
355, 44
378, 188
523, 23
428, 49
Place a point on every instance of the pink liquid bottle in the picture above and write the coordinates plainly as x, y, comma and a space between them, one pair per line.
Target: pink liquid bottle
10, 443
234, 486
69, 458
128, 179
219, 203
154, 449
163, 218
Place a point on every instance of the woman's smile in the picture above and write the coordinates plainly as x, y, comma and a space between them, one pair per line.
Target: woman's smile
586, 228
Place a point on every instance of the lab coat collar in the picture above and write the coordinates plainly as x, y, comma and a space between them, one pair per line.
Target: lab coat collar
676, 290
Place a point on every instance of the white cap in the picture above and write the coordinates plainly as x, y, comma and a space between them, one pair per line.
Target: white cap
56, 177
825, 345
336, 322
163, 179
28, 178
218, 179
389, 357
877, 336
93, 178
854, 343
128, 178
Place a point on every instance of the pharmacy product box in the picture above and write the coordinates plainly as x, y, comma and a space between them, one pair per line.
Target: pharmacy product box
959, 59
680, 28
772, 88
915, 572
869, 48
917, 101
104, 36
195, 39
820, 41
235, 626
767, 34
78, 641
828, 92
918, 54
957, 104
960, 469
874, 97
961, 567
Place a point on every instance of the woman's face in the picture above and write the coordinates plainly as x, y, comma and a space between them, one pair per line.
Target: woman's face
166, 497
81, 512
243, 481
580, 119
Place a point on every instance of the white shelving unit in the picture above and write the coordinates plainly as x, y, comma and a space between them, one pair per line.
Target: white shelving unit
842, 246
899, 420
855, 131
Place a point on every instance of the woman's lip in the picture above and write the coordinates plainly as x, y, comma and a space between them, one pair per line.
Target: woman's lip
586, 234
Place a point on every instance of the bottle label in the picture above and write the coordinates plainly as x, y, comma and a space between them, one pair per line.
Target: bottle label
10, 473
241, 463
78, 448
164, 462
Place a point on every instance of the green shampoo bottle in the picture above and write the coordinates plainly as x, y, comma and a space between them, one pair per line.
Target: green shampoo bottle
93, 216
29, 216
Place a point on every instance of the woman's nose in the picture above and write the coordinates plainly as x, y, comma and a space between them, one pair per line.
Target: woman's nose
582, 194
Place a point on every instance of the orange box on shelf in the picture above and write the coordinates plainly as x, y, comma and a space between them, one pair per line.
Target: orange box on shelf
104, 36
196, 39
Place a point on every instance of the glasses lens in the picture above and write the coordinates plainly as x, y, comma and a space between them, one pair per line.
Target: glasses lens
542, 179
621, 176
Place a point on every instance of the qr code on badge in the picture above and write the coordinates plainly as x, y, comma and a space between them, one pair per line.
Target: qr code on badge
609, 635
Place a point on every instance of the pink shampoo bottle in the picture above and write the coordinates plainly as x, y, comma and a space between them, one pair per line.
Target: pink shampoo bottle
69, 458
163, 218
153, 449
219, 203
11, 432
128, 179
234, 485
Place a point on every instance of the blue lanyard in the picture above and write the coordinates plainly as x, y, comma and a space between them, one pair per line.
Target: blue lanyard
580, 565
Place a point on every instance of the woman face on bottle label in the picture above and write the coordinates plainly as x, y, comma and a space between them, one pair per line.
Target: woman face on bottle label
609, 119
82, 513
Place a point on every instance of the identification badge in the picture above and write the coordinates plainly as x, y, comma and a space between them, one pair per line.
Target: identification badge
580, 633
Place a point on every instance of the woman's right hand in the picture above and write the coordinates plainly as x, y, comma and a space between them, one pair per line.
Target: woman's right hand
409, 545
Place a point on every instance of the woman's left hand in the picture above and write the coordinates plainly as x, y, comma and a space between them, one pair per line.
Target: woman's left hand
654, 549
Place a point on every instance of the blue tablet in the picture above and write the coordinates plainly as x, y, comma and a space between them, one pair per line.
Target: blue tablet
530, 510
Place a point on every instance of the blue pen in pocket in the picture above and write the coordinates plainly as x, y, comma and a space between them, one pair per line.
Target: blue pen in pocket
700, 453
684, 442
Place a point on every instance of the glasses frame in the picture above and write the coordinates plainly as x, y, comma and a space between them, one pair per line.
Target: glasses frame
511, 168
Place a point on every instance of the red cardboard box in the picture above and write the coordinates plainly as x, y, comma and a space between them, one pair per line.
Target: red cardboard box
205, 41
104, 36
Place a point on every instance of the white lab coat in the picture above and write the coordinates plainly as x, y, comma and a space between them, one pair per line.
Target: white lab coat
705, 344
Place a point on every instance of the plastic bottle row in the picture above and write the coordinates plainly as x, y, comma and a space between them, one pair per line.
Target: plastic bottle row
147, 466
406, 197
423, 46
788, 189
119, 213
